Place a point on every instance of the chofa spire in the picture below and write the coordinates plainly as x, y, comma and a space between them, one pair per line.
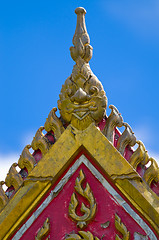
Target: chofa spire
82, 98
81, 40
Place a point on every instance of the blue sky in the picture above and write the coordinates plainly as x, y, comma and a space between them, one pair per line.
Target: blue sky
35, 37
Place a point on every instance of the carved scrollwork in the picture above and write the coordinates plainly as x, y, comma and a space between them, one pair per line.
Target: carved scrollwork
121, 228
53, 123
139, 156
114, 120
26, 159
152, 173
40, 141
86, 193
3, 197
43, 231
127, 138
81, 235
13, 178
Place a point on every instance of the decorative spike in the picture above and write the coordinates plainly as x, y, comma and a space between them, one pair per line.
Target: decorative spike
44, 230
40, 141
119, 225
3, 197
82, 99
26, 159
53, 123
127, 138
139, 156
152, 173
13, 178
114, 120
81, 50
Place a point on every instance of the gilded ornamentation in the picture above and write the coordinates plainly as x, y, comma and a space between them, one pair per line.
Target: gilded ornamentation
114, 120
152, 173
81, 235
105, 225
121, 228
131, 176
127, 138
44, 231
86, 193
139, 156
53, 123
82, 98
26, 159
40, 141
3, 197
13, 178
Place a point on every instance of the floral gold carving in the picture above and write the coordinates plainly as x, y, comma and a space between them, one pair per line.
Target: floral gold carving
121, 228
114, 120
82, 98
26, 159
127, 138
81, 235
44, 231
139, 156
13, 178
53, 123
152, 173
40, 141
86, 193
3, 197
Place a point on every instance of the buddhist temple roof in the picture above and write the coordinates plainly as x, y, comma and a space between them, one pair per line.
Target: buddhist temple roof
83, 125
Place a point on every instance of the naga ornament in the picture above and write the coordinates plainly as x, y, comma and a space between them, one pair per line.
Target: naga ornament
87, 194
82, 98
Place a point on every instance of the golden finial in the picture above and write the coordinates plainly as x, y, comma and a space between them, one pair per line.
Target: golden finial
82, 98
81, 40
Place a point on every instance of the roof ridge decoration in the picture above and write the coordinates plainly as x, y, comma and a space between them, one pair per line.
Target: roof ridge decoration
82, 102
82, 98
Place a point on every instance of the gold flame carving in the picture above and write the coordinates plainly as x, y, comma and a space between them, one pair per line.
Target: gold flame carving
26, 159
13, 178
3, 197
86, 193
121, 228
53, 123
81, 235
43, 231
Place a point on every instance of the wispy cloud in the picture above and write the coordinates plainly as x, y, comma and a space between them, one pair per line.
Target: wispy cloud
6, 161
146, 134
27, 138
139, 16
